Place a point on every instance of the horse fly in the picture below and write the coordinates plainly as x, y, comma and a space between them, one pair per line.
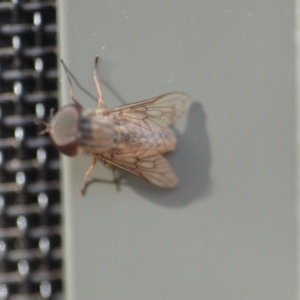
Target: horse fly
132, 137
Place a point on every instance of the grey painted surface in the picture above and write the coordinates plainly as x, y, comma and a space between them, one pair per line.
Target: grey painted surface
229, 230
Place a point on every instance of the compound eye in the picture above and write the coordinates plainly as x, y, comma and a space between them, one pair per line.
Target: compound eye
64, 129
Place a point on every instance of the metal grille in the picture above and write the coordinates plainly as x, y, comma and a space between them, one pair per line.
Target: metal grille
30, 222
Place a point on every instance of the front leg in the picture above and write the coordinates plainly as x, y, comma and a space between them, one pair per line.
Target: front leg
98, 86
86, 176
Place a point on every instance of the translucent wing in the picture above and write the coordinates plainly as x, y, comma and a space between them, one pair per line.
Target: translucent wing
153, 114
145, 163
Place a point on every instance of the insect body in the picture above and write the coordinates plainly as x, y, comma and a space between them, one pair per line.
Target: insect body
132, 137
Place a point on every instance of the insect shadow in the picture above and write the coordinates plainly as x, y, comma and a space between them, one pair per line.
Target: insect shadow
191, 162
106, 68
84, 90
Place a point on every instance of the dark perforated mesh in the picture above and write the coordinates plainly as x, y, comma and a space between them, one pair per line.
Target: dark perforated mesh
30, 212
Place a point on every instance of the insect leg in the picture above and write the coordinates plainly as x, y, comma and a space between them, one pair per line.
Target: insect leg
97, 82
86, 176
71, 86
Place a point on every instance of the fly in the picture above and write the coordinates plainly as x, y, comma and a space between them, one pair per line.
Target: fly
131, 137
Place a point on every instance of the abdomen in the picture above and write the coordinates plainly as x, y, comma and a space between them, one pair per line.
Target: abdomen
133, 135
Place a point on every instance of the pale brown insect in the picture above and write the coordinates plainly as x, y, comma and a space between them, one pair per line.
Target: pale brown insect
132, 137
